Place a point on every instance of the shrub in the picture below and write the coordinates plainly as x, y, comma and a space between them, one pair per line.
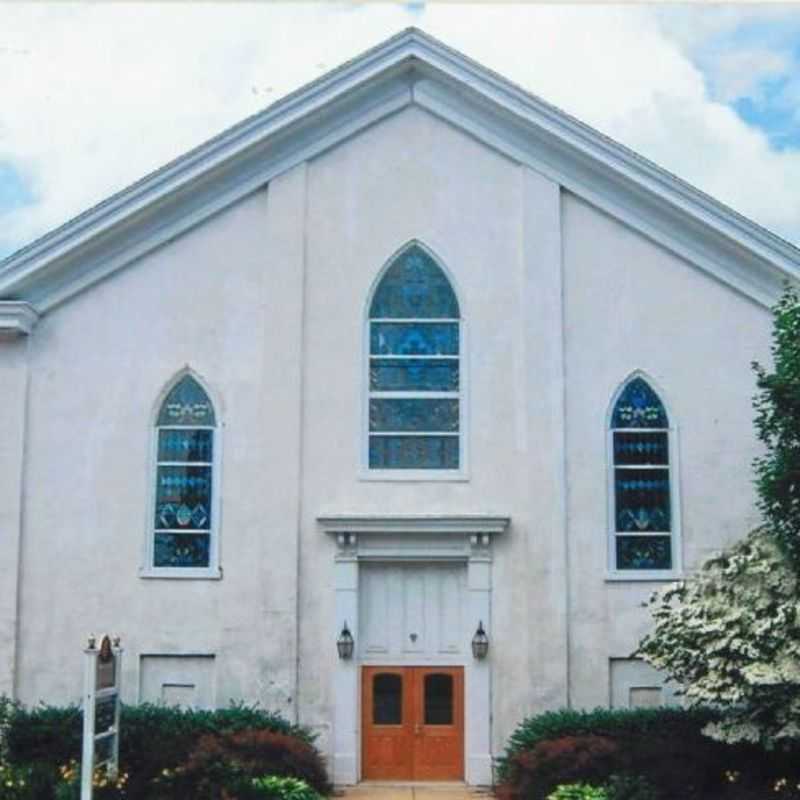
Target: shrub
533, 774
227, 762
153, 738
44, 734
272, 787
578, 791
643, 722
103, 786
666, 747
629, 787
15, 782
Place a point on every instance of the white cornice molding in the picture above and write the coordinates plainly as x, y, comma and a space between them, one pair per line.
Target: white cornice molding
411, 67
464, 524
17, 318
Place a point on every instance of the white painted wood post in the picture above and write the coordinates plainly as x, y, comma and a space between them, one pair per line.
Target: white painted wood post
478, 694
87, 757
114, 769
346, 720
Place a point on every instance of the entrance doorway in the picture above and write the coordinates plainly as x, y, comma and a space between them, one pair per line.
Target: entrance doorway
413, 723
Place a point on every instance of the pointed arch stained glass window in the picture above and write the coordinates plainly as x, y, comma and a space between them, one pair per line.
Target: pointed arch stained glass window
414, 380
641, 536
184, 477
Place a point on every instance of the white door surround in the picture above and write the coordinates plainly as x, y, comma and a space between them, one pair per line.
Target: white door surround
405, 539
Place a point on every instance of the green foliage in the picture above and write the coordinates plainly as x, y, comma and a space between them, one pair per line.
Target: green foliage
642, 722
104, 787
638, 754
777, 422
731, 636
578, 791
274, 787
230, 761
15, 782
153, 738
44, 734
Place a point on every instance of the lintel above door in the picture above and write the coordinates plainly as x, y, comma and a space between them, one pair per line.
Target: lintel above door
409, 538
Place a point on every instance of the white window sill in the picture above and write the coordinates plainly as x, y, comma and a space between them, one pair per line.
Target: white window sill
640, 576
418, 475
182, 573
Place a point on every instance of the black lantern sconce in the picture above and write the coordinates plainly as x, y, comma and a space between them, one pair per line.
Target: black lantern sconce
480, 642
345, 643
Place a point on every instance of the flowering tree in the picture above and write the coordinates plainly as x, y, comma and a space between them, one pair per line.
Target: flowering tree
730, 635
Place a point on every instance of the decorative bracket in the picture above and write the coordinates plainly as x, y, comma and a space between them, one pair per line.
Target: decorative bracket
17, 318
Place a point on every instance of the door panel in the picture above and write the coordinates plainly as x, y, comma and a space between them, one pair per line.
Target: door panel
387, 726
410, 611
439, 720
413, 723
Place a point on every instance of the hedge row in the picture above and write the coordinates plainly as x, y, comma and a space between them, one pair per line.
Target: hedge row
153, 738
603, 722
663, 746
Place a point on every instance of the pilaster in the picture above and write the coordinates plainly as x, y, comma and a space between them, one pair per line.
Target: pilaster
13, 426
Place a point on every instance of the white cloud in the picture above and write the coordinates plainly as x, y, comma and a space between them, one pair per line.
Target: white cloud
94, 96
740, 73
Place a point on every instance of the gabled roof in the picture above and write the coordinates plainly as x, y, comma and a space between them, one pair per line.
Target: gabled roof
411, 68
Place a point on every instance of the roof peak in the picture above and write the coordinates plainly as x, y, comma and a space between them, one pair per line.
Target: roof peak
410, 67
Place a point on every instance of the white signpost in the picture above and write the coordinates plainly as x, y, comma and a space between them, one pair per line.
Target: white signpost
100, 711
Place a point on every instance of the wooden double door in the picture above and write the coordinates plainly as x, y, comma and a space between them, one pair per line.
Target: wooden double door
412, 723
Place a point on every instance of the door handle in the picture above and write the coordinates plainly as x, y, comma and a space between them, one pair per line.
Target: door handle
417, 729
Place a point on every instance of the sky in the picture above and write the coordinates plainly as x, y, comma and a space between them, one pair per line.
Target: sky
94, 96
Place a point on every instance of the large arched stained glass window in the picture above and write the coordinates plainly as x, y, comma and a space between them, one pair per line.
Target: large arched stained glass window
414, 377
642, 528
184, 508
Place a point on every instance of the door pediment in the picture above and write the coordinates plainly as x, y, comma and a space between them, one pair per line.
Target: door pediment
413, 538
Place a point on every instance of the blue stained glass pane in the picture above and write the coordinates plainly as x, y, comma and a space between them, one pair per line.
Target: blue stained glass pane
183, 497
414, 339
414, 286
642, 500
187, 404
413, 415
185, 444
413, 452
641, 448
413, 375
644, 552
639, 407
181, 550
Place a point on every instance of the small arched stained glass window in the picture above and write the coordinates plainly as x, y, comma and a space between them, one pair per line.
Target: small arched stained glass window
184, 491
642, 482
414, 379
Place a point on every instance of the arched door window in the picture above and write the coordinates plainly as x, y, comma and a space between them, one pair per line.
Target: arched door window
643, 519
415, 386
183, 533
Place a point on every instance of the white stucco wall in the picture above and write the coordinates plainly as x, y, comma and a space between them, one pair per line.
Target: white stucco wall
631, 305
224, 300
266, 301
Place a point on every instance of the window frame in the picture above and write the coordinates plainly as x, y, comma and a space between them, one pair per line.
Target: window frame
461, 473
673, 471
213, 571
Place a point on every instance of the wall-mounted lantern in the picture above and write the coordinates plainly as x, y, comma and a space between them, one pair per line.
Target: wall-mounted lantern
480, 642
345, 643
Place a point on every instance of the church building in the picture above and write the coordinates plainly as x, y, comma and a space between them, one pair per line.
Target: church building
385, 409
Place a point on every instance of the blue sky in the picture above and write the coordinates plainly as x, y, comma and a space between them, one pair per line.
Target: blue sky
97, 95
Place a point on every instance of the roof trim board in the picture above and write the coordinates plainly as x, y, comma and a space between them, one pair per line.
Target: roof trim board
411, 68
